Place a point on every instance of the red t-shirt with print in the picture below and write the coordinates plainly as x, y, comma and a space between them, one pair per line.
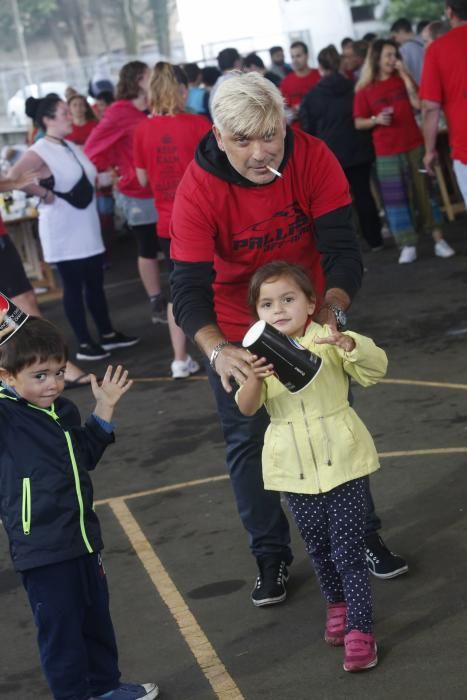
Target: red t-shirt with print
240, 228
3, 231
444, 80
403, 133
164, 146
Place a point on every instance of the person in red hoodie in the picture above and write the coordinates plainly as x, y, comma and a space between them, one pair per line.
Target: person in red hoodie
110, 147
296, 85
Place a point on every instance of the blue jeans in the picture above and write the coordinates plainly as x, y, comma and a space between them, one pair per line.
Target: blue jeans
70, 603
260, 510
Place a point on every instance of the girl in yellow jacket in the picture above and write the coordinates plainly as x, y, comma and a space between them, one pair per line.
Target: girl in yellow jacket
318, 451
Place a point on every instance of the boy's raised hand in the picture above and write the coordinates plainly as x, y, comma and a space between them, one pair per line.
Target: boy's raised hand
110, 391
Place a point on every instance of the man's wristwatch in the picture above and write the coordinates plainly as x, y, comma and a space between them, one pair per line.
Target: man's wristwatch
341, 316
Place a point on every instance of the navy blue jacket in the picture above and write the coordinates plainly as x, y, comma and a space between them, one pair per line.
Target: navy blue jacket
46, 494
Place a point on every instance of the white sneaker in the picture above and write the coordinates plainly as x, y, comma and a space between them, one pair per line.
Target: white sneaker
443, 249
408, 254
182, 369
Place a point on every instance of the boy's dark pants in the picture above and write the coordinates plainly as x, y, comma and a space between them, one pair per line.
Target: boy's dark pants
70, 603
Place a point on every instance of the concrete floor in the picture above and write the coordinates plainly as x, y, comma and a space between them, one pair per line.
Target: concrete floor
179, 569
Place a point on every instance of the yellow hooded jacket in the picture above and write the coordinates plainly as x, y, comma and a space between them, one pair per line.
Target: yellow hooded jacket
315, 440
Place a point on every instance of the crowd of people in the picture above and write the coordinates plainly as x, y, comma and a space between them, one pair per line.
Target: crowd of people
246, 179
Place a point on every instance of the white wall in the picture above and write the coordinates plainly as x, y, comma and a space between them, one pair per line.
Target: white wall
207, 26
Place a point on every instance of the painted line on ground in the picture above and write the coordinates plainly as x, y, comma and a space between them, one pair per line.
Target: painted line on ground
163, 489
407, 382
214, 670
224, 477
416, 382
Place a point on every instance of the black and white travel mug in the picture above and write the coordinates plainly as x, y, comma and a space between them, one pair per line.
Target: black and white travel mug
294, 365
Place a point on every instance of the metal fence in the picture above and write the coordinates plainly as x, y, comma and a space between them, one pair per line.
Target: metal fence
76, 73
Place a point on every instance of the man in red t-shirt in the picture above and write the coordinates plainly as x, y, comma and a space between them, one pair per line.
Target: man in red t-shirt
296, 85
444, 86
258, 192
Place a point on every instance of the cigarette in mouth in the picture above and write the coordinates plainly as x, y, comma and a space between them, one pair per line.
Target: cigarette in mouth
276, 172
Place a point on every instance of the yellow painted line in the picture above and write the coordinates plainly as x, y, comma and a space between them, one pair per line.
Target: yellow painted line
224, 477
163, 489
150, 380
417, 453
214, 670
407, 382
415, 382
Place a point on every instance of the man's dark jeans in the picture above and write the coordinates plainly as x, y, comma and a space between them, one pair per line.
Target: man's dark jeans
260, 510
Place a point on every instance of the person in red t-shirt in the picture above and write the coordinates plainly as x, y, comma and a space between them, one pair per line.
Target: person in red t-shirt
258, 192
163, 147
83, 119
296, 85
444, 85
384, 102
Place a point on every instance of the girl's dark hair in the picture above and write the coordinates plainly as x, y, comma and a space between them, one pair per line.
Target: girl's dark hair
36, 341
128, 80
329, 59
38, 108
274, 270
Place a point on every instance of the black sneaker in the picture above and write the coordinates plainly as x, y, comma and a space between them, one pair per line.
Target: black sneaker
270, 584
383, 563
159, 309
91, 351
118, 340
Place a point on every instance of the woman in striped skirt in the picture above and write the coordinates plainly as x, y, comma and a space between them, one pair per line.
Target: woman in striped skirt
385, 99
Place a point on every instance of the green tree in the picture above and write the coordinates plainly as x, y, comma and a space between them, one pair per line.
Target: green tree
415, 9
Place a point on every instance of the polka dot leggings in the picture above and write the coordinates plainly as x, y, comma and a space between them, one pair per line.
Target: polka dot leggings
332, 525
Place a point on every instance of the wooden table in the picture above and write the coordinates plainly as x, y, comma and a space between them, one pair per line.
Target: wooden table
23, 233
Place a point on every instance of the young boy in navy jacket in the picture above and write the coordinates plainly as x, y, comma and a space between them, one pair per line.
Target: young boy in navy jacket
46, 504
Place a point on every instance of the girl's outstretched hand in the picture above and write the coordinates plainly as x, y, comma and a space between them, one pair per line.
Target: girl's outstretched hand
260, 369
334, 337
112, 387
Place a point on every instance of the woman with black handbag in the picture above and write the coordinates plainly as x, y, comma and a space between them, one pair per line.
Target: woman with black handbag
69, 228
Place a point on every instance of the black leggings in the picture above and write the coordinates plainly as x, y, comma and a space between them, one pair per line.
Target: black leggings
370, 223
85, 275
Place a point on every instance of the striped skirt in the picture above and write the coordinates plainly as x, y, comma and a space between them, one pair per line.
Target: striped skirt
410, 198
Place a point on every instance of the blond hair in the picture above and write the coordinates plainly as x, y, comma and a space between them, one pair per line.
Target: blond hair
248, 104
165, 93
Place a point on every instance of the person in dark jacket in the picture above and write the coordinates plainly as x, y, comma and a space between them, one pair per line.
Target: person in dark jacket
46, 504
257, 192
326, 112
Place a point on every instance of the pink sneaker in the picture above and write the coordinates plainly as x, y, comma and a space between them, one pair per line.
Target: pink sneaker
360, 651
336, 616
